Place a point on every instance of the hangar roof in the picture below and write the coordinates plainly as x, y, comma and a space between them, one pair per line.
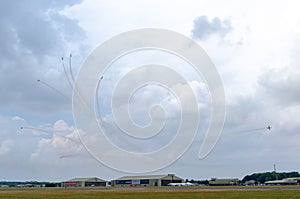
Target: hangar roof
150, 177
216, 181
284, 181
91, 179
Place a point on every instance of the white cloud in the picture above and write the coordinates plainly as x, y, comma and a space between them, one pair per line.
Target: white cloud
18, 118
5, 146
59, 145
258, 62
61, 125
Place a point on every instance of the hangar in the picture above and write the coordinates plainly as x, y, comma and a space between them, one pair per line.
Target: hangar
84, 182
224, 182
147, 180
285, 181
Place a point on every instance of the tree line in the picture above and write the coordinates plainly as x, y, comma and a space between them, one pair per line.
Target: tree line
268, 176
15, 183
259, 178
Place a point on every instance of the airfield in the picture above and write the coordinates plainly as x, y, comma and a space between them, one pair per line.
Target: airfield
155, 192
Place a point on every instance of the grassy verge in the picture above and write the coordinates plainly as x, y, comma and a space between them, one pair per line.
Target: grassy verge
146, 194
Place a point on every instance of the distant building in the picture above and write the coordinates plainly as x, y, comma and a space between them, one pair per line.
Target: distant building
285, 181
250, 183
25, 185
147, 180
84, 182
224, 182
182, 184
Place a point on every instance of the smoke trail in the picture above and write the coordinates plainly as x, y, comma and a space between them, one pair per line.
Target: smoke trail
53, 88
77, 92
66, 74
68, 156
97, 102
251, 130
48, 132
70, 68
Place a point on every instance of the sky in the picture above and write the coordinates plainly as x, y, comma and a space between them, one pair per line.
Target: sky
254, 45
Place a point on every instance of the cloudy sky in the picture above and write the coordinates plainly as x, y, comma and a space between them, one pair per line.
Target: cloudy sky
254, 46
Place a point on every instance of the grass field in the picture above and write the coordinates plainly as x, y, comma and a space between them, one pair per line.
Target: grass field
145, 194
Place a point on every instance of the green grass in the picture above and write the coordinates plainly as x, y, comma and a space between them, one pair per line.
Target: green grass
146, 194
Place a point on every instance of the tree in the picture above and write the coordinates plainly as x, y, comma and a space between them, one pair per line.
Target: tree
268, 176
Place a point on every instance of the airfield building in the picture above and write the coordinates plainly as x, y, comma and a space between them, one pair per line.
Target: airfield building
224, 182
84, 182
250, 183
148, 180
285, 181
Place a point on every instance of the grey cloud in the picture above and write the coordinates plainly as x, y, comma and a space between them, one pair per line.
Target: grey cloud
36, 26
281, 87
203, 28
33, 36
242, 114
275, 102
